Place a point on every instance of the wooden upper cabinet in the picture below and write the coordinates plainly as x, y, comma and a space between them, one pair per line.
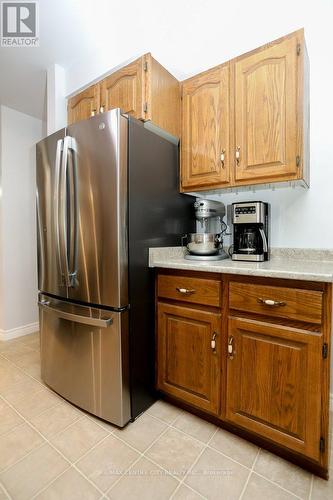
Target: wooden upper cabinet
205, 152
125, 89
187, 366
255, 109
143, 89
162, 97
84, 104
273, 384
266, 113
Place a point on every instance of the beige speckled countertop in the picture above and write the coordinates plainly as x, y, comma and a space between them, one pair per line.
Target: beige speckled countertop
296, 264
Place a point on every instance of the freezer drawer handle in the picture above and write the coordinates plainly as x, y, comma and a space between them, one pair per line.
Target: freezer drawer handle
86, 320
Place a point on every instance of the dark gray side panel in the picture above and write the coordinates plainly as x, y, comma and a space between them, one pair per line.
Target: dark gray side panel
158, 216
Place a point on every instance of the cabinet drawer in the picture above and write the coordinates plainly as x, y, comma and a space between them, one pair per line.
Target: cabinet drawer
289, 303
193, 290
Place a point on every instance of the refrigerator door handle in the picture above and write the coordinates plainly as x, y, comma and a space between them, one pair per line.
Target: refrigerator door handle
65, 257
74, 215
86, 320
60, 145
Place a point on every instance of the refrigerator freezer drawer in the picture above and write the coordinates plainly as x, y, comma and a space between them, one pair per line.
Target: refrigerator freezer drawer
84, 353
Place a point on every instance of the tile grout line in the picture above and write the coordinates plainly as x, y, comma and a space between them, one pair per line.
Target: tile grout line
196, 461
94, 419
232, 459
311, 487
169, 425
37, 392
51, 392
141, 455
250, 474
2, 487
211, 447
61, 474
28, 374
278, 485
49, 483
60, 453
12, 428
122, 475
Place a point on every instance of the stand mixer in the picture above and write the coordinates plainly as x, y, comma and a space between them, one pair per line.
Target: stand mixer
206, 245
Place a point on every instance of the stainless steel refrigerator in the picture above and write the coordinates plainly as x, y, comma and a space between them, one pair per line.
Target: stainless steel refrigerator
107, 190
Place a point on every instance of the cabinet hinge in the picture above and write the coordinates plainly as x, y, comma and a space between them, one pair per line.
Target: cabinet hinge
325, 350
145, 66
298, 49
145, 107
322, 445
298, 161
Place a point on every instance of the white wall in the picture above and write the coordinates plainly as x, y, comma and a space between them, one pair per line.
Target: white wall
18, 266
56, 101
193, 35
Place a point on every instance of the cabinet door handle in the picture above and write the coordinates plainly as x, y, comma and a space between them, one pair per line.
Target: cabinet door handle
101, 108
237, 155
231, 348
213, 342
272, 303
185, 291
222, 157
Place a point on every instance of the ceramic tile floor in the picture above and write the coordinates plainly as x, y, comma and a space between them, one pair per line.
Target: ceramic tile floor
51, 450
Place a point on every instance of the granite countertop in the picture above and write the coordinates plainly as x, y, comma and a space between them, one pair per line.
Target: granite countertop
297, 264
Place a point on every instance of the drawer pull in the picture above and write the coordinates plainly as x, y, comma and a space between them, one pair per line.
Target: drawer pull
231, 348
213, 342
222, 157
185, 291
272, 303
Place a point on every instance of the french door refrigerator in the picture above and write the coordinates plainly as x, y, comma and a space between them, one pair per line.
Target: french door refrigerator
107, 190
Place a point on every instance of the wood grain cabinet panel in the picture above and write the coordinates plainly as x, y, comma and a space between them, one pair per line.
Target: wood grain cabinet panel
162, 97
254, 110
290, 303
202, 291
205, 152
83, 105
273, 382
187, 366
266, 113
125, 89
143, 89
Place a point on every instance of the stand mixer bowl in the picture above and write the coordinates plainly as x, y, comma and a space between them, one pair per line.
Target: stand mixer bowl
203, 243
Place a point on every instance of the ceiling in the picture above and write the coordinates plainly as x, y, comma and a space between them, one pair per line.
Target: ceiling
89, 37
23, 70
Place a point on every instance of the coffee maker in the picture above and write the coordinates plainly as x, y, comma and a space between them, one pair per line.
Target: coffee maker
250, 231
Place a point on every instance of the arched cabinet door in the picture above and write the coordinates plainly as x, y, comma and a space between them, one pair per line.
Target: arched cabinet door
83, 105
273, 383
124, 89
187, 366
266, 87
205, 155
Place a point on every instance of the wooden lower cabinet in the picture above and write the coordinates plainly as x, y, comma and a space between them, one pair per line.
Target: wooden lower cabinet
188, 367
267, 376
273, 377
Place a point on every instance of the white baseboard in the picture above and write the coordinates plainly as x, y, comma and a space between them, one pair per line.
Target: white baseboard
20, 331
